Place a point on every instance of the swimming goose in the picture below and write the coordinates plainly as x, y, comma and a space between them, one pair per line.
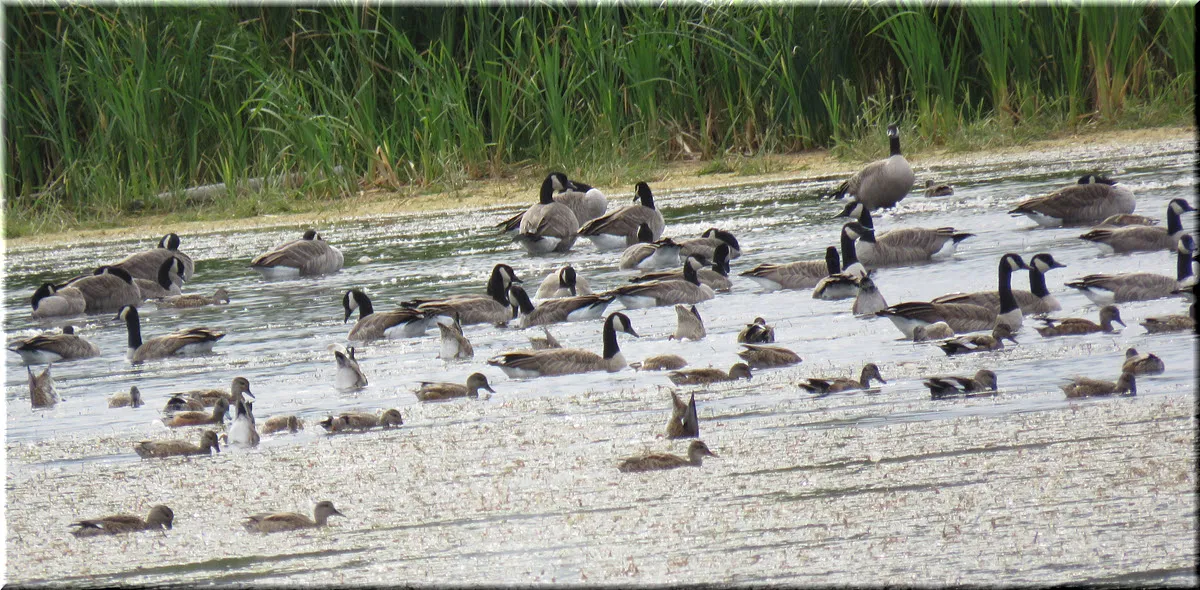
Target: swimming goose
586, 202
275, 424
145, 264
362, 421
901, 246
1138, 286
372, 325
1142, 238
844, 285
660, 362
166, 284
869, 301
1085, 387
50, 300
658, 461
1142, 364
180, 342
242, 432
548, 226
219, 297
933, 189
492, 308
757, 332
430, 391
53, 347
689, 324
308, 256
1090, 200
132, 399
804, 274
883, 183
647, 253
540, 343
963, 317
160, 517
1077, 326
683, 423
687, 290
710, 375
706, 245
553, 311
1037, 300
839, 384
716, 277
42, 391
349, 375
200, 418
455, 345
107, 289
618, 229
566, 361
565, 282
265, 522
157, 449
979, 342
950, 386
761, 356
1171, 323
1124, 219
934, 331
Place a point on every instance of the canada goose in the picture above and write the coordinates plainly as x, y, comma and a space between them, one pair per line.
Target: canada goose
963, 317
689, 324
804, 274
455, 345
1138, 286
1171, 323
157, 449
934, 331
132, 398
716, 277
658, 461
361, 421
844, 285
242, 432
660, 362
50, 300
160, 517
869, 300
540, 343
200, 418
1124, 219
901, 246
687, 290
266, 522
107, 289
492, 308
1078, 326
839, 384
1085, 387
53, 347
710, 375
42, 391
371, 325
180, 342
564, 282
979, 342
647, 253
145, 264
884, 183
683, 423
706, 245
308, 256
1142, 238
586, 202
548, 226
1037, 300
757, 332
950, 386
275, 424
219, 297
170, 276
566, 361
933, 189
553, 311
1142, 364
1093, 198
618, 229
430, 391
761, 356
349, 375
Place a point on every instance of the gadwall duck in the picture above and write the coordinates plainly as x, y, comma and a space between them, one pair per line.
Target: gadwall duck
194, 418
1172, 322
243, 432
983, 382
430, 391
963, 317
239, 389
376, 325
979, 342
1037, 300
548, 226
660, 362
275, 424
883, 183
454, 343
361, 421
53, 347
494, 307
761, 356
1142, 238
349, 375
934, 189
543, 343
268, 522
839, 384
564, 282
1085, 387
567, 361
160, 518
132, 398
145, 264
219, 297
309, 256
1104, 289
1093, 198
658, 462
1077, 326
689, 324
180, 342
683, 423
934, 331
1142, 364
42, 391
1124, 219
148, 449
709, 375
618, 229
757, 332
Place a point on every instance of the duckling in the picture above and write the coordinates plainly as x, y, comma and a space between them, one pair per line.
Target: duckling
132, 399
979, 342
933, 189
361, 421
544, 343
160, 517
689, 323
52, 348
1171, 323
431, 391
455, 345
757, 333
839, 384
266, 522
660, 362
198, 418
1142, 364
148, 449
709, 375
765, 357
950, 386
219, 297
242, 433
1076, 326
349, 375
1085, 387
658, 462
275, 424
42, 392
683, 422
934, 331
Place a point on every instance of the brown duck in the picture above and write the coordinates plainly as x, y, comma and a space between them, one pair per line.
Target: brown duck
275, 424
709, 375
131, 399
267, 522
1085, 387
1142, 364
1077, 326
660, 362
684, 423
760, 356
160, 517
200, 418
430, 391
659, 461
158, 449
360, 421
839, 384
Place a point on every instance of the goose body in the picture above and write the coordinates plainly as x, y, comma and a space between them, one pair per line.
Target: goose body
1037, 300
687, 290
131, 399
650, 255
586, 202
979, 342
562, 309
566, 361
454, 344
1171, 323
1142, 238
618, 229
309, 256
145, 264
839, 384
706, 245
1142, 364
660, 362
659, 461
108, 289
884, 183
491, 308
1086, 387
548, 226
963, 317
219, 297
349, 375
1104, 289
51, 301
684, 422
266, 522
157, 449
1079, 326
689, 324
372, 325
166, 284
564, 282
761, 356
716, 277
709, 375
902, 246
844, 285
184, 342
430, 391
53, 347
757, 332
160, 517
42, 391
804, 274
984, 382
1092, 199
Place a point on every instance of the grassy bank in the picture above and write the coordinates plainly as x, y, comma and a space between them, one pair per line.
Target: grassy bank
109, 106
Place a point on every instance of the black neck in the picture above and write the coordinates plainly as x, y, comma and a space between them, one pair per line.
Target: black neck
849, 257
497, 287
689, 273
865, 217
894, 142
523, 301
164, 273
1174, 224
547, 194
134, 327
647, 199
1008, 302
364, 306
1183, 265
833, 264
610, 337
1037, 282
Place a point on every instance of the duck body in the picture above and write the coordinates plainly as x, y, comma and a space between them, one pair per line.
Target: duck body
761, 356
709, 375
349, 375
311, 255
1171, 323
660, 362
684, 422
275, 522
219, 297
979, 342
130, 399
984, 382
274, 424
1087, 387
200, 418
454, 343
1142, 364
757, 332
661, 461
160, 517
844, 284
430, 391
42, 391
1081, 326
243, 432
157, 449
689, 324
839, 384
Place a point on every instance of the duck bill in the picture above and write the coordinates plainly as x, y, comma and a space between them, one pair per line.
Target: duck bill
489, 388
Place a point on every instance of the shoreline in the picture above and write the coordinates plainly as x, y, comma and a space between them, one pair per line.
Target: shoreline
672, 177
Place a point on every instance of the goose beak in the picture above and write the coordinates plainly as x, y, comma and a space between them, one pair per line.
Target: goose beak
1057, 264
634, 333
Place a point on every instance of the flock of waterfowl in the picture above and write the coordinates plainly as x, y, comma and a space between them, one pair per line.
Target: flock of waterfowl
677, 271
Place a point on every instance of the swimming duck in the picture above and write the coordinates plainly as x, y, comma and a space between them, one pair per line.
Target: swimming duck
709, 375
1142, 238
963, 317
564, 282
178, 403
53, 347
553, 311
804, 274
349, 375
309, 256
42, 392
933, 189
455, 345
1093, 198
760, 356
199, 418
1139, 286
1037, 300
275, 424
934, 331
548, 226
219, 297
648, 253
361, 421
1171, 323
566, 361
683, 423
839, 384
902, 246
1085, 387
1142, 364
884, 183
267, 522
979, 342
132, 399
160, 517
689, 324
1124, 219
178, 343
372, 325
950, 386
242, 432
430, 391
1077, 326
618, 229
757, 332
145, 264
492, 308
157, 449
660, 362
658, 461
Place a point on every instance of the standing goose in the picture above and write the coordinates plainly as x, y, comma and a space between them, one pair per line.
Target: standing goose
455, 345
689, 324
706, 245
902, 246
492, 308
683, 423
553, 311
757, 332
869, 300
647, 253
979, 342
1085, 387
430, 391
844, 285
42, 391
349, 375
200, 418
310, 255
564, 282
1092, 199
933, 189
951, 386
566, 361
184, 342
157, 449
266, 522
166, 284
1142, 238
145, 264
716, 277
687, 290
160, 517
1078, 326
130, 399
548, 226
884, 183
659, 461
371, 325
52, 348
219, 297
618, 229
50, 300
761, 356
1139, 286
1171, 323
1037, 300
107, 289
710, 375
804, 274
242, 432
839, 384
1142, 364
963, 317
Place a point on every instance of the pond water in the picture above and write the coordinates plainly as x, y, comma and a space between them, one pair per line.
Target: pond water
522, 487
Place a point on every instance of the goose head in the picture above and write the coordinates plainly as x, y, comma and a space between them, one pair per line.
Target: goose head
1044, 262
169, 241
1012, 262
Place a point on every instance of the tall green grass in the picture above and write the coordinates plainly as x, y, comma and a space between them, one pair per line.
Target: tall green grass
108, 106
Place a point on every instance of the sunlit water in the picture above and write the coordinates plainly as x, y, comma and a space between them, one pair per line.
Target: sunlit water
522, 487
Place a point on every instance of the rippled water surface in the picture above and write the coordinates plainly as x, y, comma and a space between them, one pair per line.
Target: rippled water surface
878, 487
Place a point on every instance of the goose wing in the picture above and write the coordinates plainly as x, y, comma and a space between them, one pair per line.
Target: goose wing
803, 274
310, 256
625, 222
550, 361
